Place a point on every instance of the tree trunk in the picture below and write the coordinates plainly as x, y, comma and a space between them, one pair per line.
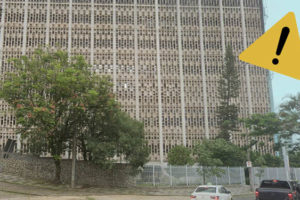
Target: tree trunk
84, 151
73, 161
57, 170
90, 156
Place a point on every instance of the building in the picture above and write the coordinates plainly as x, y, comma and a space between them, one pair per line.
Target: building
164, 57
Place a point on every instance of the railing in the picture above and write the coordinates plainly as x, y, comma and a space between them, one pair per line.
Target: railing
157, 175
268, 173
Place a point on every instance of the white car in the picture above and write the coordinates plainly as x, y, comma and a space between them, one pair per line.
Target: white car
211, 192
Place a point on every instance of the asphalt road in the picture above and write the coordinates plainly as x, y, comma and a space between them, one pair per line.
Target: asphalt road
14, 196
246, 197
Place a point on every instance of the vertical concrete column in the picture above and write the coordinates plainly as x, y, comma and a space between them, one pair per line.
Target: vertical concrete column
159, 82
25, 27
136, 63
114, 48
2, 31
181, 73
203, 72
222, 27
250, 108
70, 29
23, 51
1, 50
270, 73
67, 152
47, 23
92, 31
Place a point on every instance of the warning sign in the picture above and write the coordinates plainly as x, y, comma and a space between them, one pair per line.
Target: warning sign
278, 49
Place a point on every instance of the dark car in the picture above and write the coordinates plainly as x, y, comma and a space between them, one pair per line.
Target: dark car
277, 190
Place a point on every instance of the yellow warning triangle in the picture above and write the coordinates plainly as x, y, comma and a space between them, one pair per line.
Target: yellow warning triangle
265, 49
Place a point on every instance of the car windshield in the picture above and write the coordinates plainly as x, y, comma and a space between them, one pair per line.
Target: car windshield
275, 184
206, 189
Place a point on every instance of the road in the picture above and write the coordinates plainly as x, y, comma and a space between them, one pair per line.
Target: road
21, 191
14, 196
245, 197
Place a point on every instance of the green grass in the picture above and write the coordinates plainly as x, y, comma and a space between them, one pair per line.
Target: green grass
16, 192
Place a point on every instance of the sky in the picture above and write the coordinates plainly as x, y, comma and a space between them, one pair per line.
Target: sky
283, 86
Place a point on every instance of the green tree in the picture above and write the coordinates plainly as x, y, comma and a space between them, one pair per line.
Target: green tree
290, 116
273, 161
294, 158
257, 159
123, 137
230, 154
45, 90
56, 98
180, 155
263, 124
132, 145
211, 154
228, 91
258, 125
209, 166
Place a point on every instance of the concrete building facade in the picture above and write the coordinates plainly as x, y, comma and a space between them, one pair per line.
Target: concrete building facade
164, 56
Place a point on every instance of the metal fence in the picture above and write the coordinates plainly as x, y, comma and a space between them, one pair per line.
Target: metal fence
268, 173
158, 175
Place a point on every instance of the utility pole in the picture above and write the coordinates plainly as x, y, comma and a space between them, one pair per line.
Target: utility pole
249, 163
250, 170
286, 163
73, 161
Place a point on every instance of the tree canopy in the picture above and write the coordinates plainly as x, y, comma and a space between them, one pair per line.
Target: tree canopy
212, 154
263, 124
273, 161
180, 155
55, 97
228, 90
225, 152
289, 114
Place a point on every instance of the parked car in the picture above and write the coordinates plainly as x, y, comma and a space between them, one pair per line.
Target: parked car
277, 190
211, 192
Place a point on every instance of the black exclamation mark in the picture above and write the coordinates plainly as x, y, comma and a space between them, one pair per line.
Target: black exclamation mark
283, 37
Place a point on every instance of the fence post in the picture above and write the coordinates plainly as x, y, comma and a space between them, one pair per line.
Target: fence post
186, 175
277, 173
216, 180
171, 179
296, 176
153, 174
228, 171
